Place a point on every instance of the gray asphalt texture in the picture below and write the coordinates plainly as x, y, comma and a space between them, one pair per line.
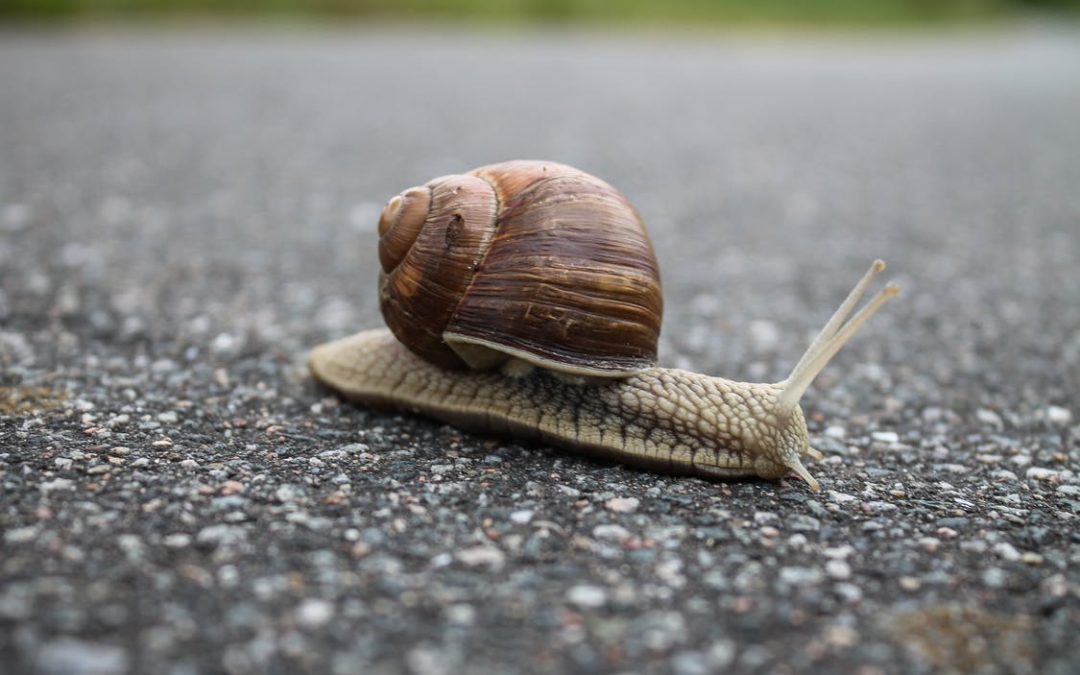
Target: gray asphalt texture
182, 215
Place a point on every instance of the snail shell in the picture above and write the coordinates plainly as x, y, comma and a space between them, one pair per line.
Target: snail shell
532, 260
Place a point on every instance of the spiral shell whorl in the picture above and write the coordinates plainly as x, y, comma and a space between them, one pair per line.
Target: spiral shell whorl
429, 264
400, 224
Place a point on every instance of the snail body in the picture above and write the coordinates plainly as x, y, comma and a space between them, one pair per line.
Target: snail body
593, 386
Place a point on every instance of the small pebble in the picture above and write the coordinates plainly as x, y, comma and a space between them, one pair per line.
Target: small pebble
58, 484
461, 615
622, 504
1058, 415
835, 431
839, 552
929, 544
177, 540
803, 523
1006, 551
611, 532
481, 555
1031, 558
994, 577
689, 663
989, 418
587, 596
841, 636
1041, 474
21, 535
800, 576
521, 517
69, 656
838, 569
313, 613
841, 498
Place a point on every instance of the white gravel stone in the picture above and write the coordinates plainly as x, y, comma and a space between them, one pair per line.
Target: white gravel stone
930, 544
989, 418
587, 596
800, 576
57, 484
622, 504
314, 612
764, 335
571, 492
1059, 415
21, 535
841, 498
1041, 474
1006, 551
426, 660
223, 344
721, 653
838, 569
221, 535
521, 517
1020, 460
461, 614
994, 577
611, 532
839, 552
179, 540
77, 657
481, 555
835, 431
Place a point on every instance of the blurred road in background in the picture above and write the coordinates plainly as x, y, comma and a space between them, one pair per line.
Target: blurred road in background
183, 215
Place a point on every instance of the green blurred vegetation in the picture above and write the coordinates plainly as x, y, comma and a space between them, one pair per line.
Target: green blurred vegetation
637, 11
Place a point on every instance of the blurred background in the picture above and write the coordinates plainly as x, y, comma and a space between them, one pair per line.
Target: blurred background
800, 12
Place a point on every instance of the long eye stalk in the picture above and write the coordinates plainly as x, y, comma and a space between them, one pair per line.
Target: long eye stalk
837, 331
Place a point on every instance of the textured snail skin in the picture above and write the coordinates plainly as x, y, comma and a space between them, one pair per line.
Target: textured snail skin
661, 419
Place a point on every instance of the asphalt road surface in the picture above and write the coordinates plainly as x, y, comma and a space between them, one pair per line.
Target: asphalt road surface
183, 215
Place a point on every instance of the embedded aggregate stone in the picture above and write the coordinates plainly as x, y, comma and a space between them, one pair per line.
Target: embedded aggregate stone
182, 216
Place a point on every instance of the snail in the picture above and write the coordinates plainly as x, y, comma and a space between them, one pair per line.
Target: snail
523, 299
